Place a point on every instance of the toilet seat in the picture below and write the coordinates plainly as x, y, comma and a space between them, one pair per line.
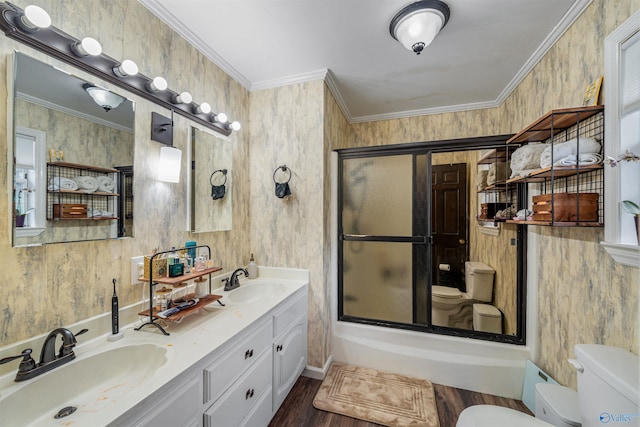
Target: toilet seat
446, 292
497, 416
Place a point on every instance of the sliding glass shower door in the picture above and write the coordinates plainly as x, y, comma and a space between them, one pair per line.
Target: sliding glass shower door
383, 232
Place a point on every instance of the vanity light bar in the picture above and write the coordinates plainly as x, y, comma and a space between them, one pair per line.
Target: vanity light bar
86, 54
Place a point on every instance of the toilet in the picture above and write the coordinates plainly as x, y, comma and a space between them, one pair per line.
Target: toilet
608, 393
446, 301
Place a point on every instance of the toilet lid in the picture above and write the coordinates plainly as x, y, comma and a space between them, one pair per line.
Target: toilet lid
497, 416
446, 292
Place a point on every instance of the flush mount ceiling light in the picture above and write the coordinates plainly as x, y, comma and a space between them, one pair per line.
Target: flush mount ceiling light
416, 25
102, 97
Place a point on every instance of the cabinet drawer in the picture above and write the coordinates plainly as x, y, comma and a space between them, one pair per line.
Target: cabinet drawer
286, 317
239, 400
226, 369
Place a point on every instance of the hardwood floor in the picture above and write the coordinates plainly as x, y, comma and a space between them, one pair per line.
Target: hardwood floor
297, 410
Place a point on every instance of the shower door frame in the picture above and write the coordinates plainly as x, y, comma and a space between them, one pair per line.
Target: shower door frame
429, 148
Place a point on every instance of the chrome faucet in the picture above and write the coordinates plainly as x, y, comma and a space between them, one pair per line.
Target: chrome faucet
232, 282
48, 358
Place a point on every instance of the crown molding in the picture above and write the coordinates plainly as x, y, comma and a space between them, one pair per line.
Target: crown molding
567, 20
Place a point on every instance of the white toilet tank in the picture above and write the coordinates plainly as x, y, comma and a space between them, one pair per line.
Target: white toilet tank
479, 280
608, 385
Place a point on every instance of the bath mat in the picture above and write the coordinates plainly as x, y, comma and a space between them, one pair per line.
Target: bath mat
377, 397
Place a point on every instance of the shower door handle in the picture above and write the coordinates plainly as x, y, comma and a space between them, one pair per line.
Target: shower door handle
420, 240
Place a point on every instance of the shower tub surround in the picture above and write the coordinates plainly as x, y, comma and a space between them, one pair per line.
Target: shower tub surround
148, 377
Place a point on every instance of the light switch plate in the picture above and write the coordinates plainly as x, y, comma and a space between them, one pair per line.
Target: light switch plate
134, 268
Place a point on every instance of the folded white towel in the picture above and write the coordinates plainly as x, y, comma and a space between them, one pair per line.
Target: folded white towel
105, 184
62, 183
94, 213
497, 172
526, 158
88, 184
585, 159
565, 149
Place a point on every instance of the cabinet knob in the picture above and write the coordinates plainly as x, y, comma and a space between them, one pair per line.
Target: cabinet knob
248, 354
249, 394
279, 347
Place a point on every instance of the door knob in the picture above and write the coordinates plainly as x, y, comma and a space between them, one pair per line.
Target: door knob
462, 241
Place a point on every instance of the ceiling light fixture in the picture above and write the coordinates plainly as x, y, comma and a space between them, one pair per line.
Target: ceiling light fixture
416, 25
104, 98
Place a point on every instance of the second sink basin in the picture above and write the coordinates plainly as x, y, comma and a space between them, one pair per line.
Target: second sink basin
84, 384
252, 292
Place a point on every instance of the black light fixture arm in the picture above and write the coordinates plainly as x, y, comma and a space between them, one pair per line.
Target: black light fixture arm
56, 43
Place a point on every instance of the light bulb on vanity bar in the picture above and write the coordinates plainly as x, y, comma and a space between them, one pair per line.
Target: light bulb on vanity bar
183, 98
126, 68
157, 84
220, 118
34, 18
203, 108
235, 125
87, 46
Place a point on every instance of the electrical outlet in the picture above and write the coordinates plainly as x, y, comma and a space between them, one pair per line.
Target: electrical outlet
135, 261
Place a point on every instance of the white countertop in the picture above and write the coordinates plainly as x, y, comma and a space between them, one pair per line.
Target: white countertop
194, 338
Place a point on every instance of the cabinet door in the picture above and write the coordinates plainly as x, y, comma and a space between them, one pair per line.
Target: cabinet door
289, 359
240, 399
180, 407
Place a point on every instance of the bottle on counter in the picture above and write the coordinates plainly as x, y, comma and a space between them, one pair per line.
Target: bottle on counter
252, 268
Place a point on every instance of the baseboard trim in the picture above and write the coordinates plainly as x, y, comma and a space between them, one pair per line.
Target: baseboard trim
317, 373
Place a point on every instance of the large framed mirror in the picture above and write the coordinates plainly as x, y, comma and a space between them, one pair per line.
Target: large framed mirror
71, 141
210, 182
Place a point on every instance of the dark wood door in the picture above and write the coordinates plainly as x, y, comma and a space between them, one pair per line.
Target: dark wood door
449, 224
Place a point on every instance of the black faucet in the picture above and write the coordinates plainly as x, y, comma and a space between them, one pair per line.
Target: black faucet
232, 282
48, 358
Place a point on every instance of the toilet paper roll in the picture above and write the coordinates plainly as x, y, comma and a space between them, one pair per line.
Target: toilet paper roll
444, 267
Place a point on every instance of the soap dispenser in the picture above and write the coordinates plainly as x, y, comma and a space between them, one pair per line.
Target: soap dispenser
252, 268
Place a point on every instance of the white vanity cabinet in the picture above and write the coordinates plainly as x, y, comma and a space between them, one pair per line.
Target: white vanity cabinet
289, 347
239, 383
246, 385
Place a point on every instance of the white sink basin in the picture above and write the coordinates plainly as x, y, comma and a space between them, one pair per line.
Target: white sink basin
83, 383
252, 292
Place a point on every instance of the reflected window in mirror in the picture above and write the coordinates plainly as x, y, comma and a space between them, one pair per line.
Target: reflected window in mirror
68, 147
210, 183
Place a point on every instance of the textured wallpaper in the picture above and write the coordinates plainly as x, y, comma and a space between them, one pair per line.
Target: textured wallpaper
299, 125
49, 286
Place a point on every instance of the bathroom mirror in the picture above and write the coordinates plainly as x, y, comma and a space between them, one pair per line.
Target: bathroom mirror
210, 183
70, 138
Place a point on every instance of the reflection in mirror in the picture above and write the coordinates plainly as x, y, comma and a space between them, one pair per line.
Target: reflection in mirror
67, 148
464, 282
211, 183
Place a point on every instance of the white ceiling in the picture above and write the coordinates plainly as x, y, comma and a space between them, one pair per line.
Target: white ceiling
485, 50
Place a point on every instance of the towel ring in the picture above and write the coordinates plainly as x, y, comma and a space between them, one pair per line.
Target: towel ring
222, 171
283, 168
